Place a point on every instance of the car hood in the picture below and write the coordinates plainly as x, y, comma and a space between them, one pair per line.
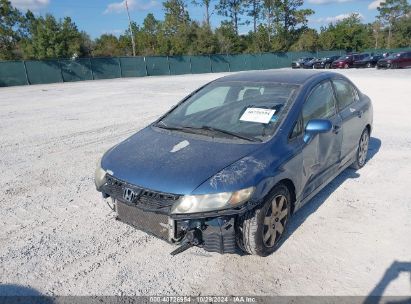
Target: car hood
171, 162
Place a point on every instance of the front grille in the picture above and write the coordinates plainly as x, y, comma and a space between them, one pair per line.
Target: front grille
150, 222
144, 199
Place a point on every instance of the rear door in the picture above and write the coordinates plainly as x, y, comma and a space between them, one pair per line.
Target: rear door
350, 110
406, 61
322, 154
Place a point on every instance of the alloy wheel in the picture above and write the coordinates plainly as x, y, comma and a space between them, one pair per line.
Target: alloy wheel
275, 220
363, 148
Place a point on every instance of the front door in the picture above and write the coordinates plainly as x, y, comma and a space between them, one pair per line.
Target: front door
321, 155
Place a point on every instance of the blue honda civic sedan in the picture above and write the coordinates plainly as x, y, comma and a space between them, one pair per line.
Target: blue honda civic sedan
228, 166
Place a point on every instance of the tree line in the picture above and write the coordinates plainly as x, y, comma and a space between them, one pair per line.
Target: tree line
277, 26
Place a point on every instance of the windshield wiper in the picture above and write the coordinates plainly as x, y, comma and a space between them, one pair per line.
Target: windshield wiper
213, 129
207, 128
171, 128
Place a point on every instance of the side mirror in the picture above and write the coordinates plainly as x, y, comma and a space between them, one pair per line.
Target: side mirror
316, 126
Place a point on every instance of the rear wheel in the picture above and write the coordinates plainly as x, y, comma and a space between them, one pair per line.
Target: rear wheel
368, 64
327, 66
362, 150
261, 230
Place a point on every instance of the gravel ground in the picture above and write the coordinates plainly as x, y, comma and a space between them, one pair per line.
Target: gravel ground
58, 238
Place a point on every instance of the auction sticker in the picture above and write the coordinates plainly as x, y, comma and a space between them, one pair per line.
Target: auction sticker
257, 115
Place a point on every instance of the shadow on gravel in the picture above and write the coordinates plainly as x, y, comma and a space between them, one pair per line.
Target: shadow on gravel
374, 147
17, 290
12, 293
391, 274
311, 206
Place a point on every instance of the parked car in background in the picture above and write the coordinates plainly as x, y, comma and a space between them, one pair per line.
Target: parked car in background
385, 55
310, 63
395, 61
325, 63
347, 61
368, 62
297, 64
227, 167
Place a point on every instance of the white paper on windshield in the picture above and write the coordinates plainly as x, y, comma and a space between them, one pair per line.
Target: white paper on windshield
257, 115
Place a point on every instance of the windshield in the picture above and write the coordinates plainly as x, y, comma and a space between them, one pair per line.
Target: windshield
392, 56
247, 110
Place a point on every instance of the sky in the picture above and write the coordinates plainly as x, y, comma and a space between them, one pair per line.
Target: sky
97, 17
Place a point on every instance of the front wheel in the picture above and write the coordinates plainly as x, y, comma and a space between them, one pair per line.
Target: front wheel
362, 150
261, 230
328, 66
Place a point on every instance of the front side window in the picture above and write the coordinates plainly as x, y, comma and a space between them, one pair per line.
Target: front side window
345, 93
249, 109
320, 103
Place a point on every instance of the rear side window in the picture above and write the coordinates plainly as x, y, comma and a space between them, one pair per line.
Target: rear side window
345, 92
320, 103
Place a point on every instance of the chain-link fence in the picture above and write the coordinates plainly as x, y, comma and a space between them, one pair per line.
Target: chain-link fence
65, 70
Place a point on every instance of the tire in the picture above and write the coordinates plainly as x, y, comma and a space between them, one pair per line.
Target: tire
346, 66
369, 65
362, 150
327, 66
260, 231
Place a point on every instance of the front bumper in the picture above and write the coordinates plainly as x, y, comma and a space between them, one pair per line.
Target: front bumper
214, 234
384, 65
215, 231
338, 65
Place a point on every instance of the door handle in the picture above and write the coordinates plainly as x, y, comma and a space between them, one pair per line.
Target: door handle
359, 113
336, 129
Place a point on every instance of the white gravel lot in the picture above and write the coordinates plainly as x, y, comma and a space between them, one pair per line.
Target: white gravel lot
57, 237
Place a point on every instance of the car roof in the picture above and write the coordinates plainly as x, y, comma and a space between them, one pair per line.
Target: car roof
280, 76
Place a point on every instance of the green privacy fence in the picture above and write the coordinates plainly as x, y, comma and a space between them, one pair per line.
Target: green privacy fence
65, 70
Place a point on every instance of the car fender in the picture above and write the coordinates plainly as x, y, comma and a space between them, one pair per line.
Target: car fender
262, 169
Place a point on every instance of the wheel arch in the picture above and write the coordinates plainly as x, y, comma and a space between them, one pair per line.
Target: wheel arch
291, 187
368, 127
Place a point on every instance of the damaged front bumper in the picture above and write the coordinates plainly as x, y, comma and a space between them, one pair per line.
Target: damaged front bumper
149, 211
213, 232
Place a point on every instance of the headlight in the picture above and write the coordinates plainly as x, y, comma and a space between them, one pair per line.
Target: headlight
99, 175
210, 202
